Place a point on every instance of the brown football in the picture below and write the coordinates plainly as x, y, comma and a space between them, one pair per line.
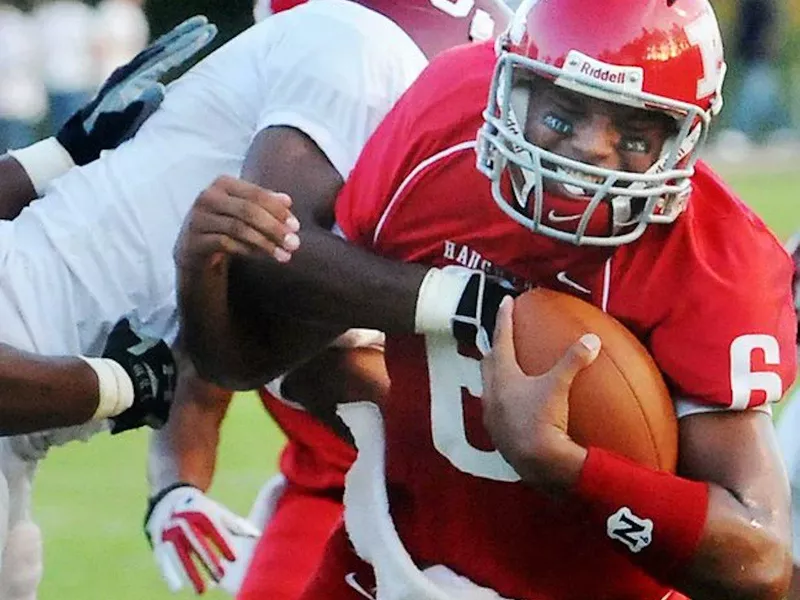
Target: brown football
619, 402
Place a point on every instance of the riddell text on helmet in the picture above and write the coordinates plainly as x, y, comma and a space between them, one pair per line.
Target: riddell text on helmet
603, 74
578, 64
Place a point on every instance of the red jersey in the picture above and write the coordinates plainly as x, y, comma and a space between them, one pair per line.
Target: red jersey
709, 296
314, 458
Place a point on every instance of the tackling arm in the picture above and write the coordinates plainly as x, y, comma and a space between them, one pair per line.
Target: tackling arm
249, 318
41, 392
131, 384
183, 525
251, 312
185, 449
327, 278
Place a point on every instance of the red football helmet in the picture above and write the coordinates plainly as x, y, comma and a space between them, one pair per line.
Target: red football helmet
661, 55
435, 25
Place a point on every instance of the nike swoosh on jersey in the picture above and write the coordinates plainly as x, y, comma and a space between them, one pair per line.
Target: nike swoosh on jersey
563, 278
350, 579
556, 218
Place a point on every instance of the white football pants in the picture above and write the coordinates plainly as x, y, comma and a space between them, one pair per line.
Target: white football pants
20, 537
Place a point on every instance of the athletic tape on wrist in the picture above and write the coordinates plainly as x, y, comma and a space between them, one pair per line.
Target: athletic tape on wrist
115, 388
438, 298
43, 162
659, 517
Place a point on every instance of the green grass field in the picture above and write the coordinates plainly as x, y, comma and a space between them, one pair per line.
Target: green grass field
90, 498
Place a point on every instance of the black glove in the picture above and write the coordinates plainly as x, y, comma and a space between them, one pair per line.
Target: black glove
476, 314
151, 367
461, 301
132, 93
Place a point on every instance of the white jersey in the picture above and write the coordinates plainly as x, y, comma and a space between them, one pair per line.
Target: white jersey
99, 245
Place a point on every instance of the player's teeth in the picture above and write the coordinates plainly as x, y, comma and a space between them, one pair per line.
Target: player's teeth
577, 190
581, 175
574, 189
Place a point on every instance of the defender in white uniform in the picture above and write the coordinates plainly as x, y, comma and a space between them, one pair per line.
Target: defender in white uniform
98, 246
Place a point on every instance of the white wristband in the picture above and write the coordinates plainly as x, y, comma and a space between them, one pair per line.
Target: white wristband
438, 298
115, 387
360, 338
43, 162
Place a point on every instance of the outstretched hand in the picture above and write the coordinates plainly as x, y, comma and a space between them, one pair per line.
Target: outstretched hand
131, 93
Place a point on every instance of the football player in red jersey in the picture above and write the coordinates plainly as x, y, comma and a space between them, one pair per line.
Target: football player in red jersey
314, 461
587, 182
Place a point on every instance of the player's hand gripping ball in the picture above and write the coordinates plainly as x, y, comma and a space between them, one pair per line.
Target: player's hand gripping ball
619, 402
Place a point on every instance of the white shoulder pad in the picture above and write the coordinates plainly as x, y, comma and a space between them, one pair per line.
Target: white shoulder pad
334, 72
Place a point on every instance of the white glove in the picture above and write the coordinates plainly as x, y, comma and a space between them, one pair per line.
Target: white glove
185, 528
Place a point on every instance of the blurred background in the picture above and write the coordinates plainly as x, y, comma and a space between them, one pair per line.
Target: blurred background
54, 53
90, 498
